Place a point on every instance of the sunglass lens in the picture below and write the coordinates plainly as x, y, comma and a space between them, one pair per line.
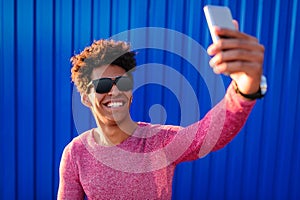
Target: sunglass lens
124, 83
104, 85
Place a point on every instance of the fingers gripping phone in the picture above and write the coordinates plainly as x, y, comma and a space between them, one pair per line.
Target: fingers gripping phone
218, 16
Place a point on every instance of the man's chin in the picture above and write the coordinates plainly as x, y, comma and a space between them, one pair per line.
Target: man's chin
117, 119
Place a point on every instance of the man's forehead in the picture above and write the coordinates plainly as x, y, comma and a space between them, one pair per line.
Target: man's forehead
109, 71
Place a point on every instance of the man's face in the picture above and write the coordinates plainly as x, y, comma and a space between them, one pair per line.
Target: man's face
112, 107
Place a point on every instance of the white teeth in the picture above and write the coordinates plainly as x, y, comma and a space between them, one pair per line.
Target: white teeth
114, 104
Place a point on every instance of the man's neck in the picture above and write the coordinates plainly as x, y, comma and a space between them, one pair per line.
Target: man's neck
114, 134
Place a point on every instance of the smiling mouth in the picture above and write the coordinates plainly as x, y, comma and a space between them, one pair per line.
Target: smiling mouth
114, 104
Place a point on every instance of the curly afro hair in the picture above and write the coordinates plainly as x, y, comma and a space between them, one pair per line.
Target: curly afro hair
101, 52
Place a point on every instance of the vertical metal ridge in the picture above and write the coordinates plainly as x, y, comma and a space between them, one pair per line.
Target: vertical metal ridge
34, 98
295, 137
2, 128
292, 34
72, 125
259, 19
288, 104
16, 131
90, 121
146, 52
294, 174
92, 22
110, 17
54, 125
129, 16
276, 40
242, 15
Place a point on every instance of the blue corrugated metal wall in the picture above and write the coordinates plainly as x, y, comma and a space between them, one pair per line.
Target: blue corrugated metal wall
37, 39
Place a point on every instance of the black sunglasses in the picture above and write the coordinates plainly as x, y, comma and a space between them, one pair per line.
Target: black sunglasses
104, 85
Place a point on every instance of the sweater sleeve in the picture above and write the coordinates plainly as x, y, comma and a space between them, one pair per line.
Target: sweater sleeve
69, 184
219, 126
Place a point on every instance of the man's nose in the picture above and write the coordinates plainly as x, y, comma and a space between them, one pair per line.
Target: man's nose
114, 90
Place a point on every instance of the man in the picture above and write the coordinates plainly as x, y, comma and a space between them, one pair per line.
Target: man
97, 164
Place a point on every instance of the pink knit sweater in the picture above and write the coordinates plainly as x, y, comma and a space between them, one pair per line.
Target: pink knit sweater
142, 166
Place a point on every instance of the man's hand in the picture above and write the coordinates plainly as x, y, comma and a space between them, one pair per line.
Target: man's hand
238, 55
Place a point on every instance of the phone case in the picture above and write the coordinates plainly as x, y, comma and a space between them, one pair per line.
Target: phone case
218, 16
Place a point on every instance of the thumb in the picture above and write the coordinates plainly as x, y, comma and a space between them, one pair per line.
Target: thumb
236, 24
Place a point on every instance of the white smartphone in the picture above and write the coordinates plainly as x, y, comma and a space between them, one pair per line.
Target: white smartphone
218, 16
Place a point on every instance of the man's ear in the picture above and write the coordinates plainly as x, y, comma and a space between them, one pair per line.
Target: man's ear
85, 100
130, 102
